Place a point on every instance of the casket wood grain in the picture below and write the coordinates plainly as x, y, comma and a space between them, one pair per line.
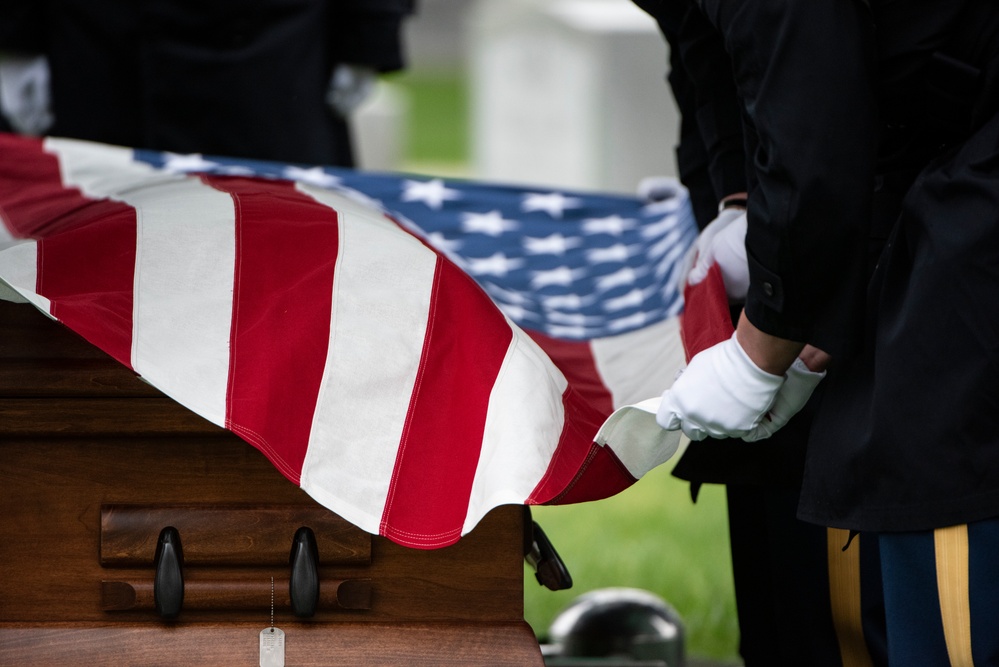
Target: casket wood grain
94, 463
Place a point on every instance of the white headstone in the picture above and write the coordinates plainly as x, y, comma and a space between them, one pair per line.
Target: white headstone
378, 129
569, 93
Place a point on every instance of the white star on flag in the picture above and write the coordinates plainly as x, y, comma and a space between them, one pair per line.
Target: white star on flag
492, 223
671, 272
666, 246
314, 176
556, 244
657, 229
553, 203
623, 276
563, 275
566, 332
611, 254
612, 224
668, 205
565, 302
573, 319
497, 264
638, 319
184, 163
234, 170
433, 193
631, 299
506, 295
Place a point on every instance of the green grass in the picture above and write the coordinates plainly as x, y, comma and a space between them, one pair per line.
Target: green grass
437, 126
652, 537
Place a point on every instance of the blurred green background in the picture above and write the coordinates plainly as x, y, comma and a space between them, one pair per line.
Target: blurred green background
651, 536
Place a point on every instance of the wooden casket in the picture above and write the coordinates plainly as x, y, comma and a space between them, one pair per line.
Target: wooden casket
95, 464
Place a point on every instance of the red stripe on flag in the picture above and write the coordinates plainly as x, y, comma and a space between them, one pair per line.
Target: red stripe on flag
286, 249
601, 476
575, 359
32, 198
707, 318
466, 342
86, 248
570, 463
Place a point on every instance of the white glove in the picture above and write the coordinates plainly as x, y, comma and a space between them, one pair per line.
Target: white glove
792, 397
659, 188
25, 93
723, 242
721, 394
349, 87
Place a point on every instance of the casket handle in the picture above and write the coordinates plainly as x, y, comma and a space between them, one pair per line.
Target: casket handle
168, 584
303, 585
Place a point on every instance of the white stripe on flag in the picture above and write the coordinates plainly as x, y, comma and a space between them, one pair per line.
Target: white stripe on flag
381, 297
523, 427
639, 364
99, 170
185, 245
636, 439
20, 272
6, 236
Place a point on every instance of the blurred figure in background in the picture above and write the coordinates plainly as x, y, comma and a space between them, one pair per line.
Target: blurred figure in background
265, 79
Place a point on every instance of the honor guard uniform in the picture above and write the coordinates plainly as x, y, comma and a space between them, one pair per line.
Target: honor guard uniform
266, 79
904, 443
787, 577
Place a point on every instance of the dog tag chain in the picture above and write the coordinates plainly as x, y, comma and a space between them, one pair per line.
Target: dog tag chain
272, 641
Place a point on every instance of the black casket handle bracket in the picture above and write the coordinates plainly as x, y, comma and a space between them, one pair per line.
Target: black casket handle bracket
168, 584
303, 584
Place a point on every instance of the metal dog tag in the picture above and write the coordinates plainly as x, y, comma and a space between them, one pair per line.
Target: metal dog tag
272, 647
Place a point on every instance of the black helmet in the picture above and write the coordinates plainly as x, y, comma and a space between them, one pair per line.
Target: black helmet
623, 623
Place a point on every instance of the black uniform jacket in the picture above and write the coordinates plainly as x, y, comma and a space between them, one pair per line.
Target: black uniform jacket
244, 78
804, 77
773, 127
710, 155
907, 435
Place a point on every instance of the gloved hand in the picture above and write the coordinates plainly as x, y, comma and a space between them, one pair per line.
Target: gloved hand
723, 242
798, 386
350, 85
721, 394
658, 188
25, 93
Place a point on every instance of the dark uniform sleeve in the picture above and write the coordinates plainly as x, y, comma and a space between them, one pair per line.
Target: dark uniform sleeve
710, 157
22, 27
805, 77
369, 32
716, 106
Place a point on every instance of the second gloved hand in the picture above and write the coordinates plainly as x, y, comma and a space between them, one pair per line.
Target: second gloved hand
723, 242
791, 398
349, 87
721, 394
25, 93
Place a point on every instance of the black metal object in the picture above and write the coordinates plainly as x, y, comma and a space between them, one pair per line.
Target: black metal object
168, 583
616, 626
540, 554
303, 584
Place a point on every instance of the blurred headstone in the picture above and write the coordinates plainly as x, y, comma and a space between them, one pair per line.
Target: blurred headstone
379, 129
569, 93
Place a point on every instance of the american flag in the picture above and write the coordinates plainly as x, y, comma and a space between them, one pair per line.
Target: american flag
412, 351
